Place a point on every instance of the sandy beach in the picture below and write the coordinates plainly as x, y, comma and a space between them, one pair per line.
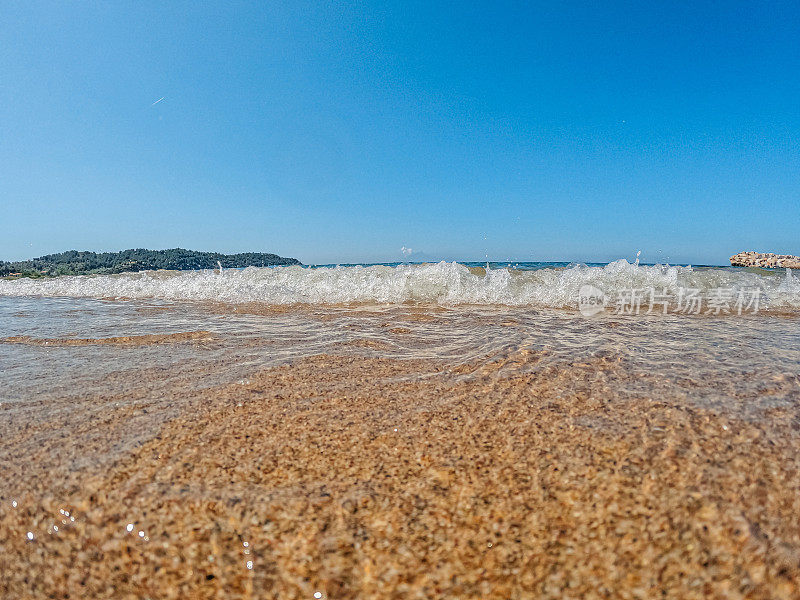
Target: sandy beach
349, 475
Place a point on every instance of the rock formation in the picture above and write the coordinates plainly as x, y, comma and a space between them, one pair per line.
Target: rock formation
766, 260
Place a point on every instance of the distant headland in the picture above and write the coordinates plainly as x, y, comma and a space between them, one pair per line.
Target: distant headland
74, 262
765, 260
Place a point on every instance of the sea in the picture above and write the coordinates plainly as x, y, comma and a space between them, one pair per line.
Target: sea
720, 337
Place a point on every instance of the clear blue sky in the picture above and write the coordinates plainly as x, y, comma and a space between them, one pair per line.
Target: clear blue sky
344, 131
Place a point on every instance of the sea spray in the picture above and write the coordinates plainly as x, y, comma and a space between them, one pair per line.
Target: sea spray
444, 283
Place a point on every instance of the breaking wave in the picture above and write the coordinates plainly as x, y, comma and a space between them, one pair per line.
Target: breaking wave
445, 284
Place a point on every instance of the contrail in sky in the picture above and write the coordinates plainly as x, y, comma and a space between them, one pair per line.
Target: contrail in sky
157, 101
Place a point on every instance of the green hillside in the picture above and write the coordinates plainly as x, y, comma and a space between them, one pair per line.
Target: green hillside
74, 262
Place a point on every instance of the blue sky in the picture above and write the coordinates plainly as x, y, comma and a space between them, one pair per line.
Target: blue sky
345, 131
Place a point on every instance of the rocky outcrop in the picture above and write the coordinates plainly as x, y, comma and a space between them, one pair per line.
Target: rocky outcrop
766, 260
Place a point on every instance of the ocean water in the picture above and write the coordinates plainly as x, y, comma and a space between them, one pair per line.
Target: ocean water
508, 319
542, 285
527, 315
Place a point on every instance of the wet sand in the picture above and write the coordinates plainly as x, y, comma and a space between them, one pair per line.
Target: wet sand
124, 340
344, 476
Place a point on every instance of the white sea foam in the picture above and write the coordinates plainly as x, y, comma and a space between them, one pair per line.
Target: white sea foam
444, 283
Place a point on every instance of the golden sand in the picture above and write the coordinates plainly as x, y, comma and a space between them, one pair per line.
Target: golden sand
351, 477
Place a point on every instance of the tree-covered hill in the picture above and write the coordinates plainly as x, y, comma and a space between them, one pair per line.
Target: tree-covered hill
85, 263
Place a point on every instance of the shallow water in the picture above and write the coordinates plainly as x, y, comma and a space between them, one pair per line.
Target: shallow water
507, 320
741, 363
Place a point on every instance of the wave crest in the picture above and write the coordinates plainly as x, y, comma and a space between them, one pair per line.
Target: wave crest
446, 284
